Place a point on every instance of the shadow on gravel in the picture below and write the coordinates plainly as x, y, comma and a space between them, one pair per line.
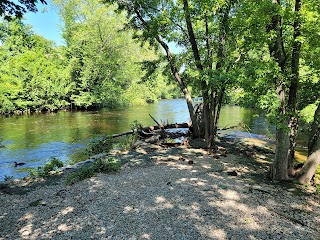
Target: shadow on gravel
161, 194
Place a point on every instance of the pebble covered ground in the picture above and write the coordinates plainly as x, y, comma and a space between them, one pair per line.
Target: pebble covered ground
164, 193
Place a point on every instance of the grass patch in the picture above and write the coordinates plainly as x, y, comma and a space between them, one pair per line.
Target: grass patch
99, 166
52, 166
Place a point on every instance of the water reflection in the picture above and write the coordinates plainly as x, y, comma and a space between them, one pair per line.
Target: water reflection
34, 139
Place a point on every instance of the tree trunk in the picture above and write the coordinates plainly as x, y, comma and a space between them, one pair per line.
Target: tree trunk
206, 115
280, 164
304, 176
279, 170
314, 138
292, 101
212, 96
309, 168
175, 72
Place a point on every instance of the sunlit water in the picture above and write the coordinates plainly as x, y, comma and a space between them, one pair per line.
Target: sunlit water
34, 139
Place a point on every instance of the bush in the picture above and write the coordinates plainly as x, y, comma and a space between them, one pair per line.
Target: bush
46, 169
99, 146
106, 144
101, 165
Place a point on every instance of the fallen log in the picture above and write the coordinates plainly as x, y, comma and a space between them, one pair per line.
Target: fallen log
168, 126
122, 134
147, 131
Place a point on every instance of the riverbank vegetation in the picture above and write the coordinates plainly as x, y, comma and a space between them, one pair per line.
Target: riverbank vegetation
100, 65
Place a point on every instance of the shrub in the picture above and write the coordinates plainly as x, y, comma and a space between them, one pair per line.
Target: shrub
45, 170
101, 165
106, 144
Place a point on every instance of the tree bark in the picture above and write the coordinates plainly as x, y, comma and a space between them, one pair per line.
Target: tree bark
309, 168
293, 89
280, 164
314, 138
175, 72
279, 170
192, 37
212, 96
304, 176
207, 101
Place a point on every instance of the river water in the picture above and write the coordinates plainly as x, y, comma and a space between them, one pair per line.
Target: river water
33, 139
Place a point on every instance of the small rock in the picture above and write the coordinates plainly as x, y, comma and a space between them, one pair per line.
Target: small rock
38, 202
232, 173
190, 162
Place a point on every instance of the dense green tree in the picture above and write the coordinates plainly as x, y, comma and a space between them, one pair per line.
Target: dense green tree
32, 71
263, 41
275, 42
100, 66
105, 61
200, 29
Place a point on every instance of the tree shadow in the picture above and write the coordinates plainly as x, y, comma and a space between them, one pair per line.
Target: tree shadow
163, 197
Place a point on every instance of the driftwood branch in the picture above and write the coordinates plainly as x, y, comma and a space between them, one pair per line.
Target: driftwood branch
160, 125
167, 126
122, 134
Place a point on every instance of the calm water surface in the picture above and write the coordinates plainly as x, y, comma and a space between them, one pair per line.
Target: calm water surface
34, 139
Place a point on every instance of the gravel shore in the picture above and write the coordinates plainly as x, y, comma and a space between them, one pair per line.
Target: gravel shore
164, 193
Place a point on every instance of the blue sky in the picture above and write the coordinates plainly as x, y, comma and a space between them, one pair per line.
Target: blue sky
45, 22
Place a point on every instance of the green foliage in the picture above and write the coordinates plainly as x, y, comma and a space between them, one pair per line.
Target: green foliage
100, 146
125, 143
99, 166
52, 166
307, 113
100, 66
107, 144
106, 63
136, 126
11, 9
317, 181
32, 76
107, 165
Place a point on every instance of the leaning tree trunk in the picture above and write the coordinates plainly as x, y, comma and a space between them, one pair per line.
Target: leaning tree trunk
309, 168
175, 72
314, 138
304, 176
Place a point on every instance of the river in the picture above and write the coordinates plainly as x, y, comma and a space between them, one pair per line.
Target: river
35, 138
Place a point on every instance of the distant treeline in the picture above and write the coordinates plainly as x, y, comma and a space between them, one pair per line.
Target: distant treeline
99, 66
